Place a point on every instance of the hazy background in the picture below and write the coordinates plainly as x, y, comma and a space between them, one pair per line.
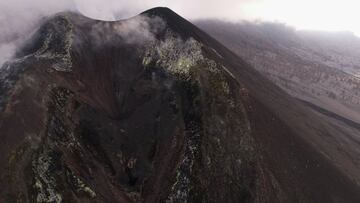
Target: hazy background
18, 18
327, 15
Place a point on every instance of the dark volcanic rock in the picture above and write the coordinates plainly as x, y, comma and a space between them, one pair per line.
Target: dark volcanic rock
151, 109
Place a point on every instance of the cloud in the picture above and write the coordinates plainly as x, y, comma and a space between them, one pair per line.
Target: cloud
6, 51
118, 9
334, 16
139, 29
19, 18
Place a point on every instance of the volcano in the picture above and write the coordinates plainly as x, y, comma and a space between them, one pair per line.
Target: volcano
152, 109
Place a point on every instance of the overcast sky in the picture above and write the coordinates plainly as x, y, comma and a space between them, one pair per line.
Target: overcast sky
18, 17
327, 15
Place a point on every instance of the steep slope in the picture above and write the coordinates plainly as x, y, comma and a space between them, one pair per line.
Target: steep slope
152, 109
321, 68
317, 68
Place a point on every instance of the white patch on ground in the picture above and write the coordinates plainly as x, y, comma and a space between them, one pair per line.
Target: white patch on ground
174, 55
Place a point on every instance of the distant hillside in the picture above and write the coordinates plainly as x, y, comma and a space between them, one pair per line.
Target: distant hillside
318, 67
152, 109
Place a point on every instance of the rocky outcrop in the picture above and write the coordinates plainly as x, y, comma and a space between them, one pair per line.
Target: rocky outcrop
173, 116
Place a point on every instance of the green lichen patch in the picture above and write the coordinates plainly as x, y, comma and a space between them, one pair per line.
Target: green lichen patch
173, 54
184, 183
78, 185
207, 88
52, 179
59, 130
44, 178
57, 43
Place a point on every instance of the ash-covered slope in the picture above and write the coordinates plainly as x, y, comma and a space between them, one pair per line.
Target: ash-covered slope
320, 68
152, 109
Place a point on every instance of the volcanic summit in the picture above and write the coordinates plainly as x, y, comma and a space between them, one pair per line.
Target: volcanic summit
152, 109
